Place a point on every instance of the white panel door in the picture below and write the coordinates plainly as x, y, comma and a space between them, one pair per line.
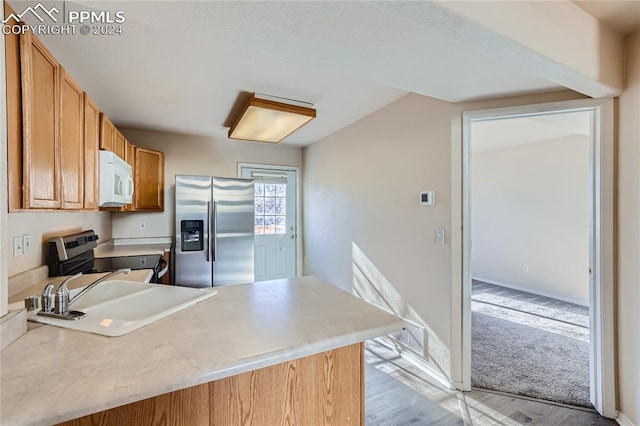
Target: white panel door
275, 222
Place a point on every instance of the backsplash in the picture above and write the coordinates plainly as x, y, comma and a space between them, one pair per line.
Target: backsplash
41, 226
23, 280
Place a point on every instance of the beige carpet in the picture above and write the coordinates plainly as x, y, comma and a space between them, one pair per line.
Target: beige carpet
529, 345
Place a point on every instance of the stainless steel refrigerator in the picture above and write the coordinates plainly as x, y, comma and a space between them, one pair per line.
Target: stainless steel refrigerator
214, 231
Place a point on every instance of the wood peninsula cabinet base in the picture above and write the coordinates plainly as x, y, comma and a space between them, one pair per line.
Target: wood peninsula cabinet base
322, 389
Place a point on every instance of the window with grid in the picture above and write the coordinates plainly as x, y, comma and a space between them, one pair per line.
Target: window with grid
270, 208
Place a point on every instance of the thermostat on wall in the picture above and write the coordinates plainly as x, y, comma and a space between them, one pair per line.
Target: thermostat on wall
427, 198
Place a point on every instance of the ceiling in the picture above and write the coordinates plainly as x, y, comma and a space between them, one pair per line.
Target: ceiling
504, 133
186, 67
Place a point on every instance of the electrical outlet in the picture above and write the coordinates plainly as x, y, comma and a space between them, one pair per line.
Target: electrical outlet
440, 236
525, 268
26, 243
17, 246
142, 225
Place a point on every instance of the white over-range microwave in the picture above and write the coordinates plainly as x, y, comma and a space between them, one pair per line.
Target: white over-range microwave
116, 181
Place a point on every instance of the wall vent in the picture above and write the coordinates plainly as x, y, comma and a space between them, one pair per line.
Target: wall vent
412, 338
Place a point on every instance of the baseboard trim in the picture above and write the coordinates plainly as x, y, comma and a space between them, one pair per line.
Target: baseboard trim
623, 420
458, 385
418, 362
528, 290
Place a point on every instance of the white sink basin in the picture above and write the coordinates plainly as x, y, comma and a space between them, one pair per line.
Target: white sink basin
112, 291
115, 308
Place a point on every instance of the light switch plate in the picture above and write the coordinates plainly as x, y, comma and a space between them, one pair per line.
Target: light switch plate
17, 246
440, 236
26, 243
427, 198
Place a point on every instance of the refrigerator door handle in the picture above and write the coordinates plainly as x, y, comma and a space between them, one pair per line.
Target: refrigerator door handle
215, 231
208, 229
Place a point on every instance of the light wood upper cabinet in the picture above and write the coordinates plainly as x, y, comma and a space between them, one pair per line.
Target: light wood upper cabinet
41, 133
91, 148
72, 153
149, 180
14, 116
110, 137
107, 133
130, 154
129, 157
55, 132
119, 144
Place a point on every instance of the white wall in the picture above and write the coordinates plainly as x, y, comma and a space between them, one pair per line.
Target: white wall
361, 188
43, 225
628, 210
360, 194
186, 154
530, 206
4, 289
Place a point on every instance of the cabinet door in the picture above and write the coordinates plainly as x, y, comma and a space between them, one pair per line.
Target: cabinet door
119, 144
40, 109
14, 116
130, 154
71, 142
107, 133
91, 148
129, 157
149, 179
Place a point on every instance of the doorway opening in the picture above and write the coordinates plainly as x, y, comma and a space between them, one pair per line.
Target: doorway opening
600, 242
529, 186
277, 242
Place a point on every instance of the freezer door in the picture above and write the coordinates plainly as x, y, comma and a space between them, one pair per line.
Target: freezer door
192, 231
232, 237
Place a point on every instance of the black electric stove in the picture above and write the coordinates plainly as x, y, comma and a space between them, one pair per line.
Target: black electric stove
70, 254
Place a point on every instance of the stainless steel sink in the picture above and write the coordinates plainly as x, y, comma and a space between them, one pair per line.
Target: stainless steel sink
115, 308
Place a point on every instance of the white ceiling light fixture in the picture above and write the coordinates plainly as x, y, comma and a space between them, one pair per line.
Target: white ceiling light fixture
266, 120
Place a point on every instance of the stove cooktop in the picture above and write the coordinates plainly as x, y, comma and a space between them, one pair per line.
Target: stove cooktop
108, 264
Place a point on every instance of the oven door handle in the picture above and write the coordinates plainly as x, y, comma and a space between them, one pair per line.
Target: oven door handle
164, 270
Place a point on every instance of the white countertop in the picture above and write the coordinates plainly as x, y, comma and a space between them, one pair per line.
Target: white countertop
52, 375
111, 250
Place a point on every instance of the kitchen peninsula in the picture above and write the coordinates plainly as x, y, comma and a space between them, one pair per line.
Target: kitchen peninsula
266, 353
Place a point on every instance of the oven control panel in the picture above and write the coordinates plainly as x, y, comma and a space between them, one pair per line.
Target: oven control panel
72, 245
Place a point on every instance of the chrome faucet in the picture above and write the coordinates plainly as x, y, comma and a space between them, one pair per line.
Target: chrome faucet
61, 299
57, 305
47, 298
57, 301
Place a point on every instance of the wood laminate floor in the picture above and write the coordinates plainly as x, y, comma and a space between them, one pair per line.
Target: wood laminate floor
415, 398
